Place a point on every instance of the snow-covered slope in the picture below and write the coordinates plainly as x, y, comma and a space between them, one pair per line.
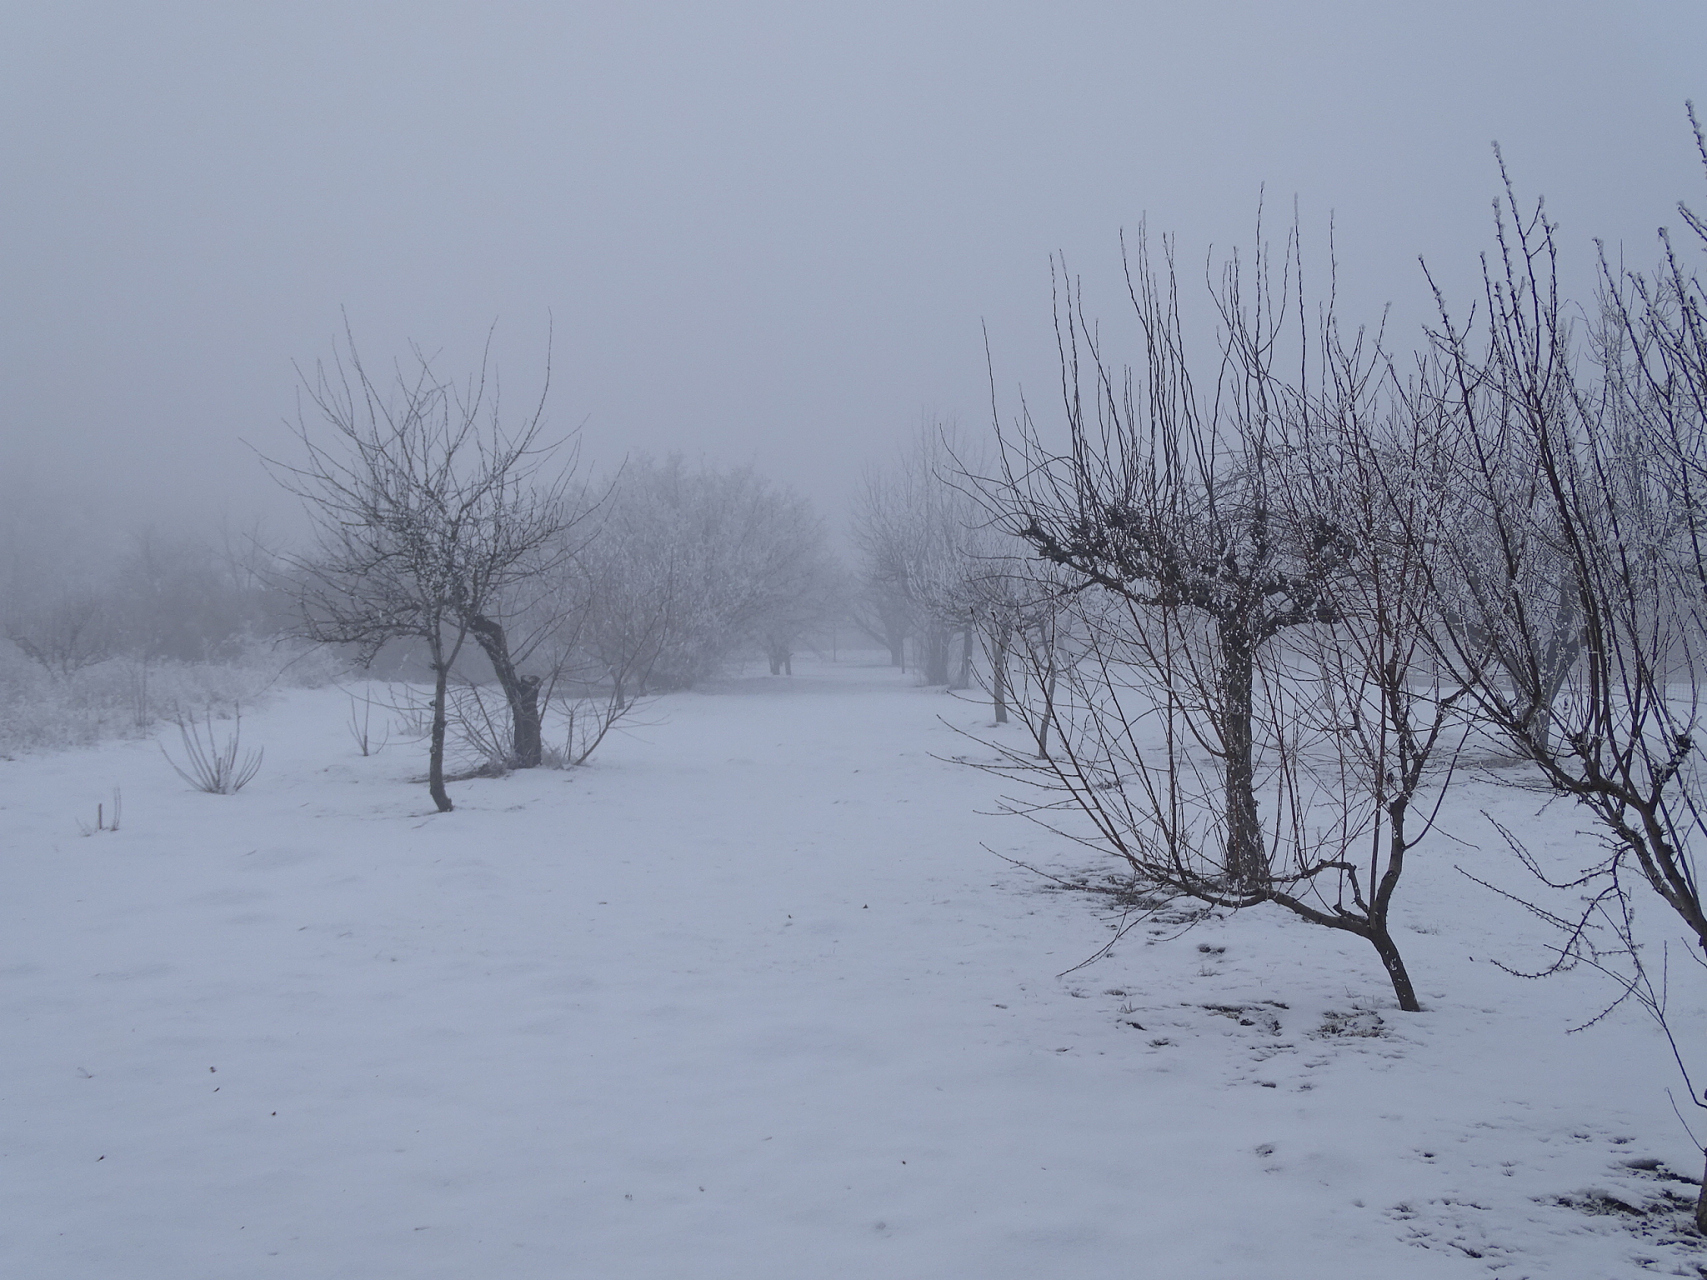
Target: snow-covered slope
749, 997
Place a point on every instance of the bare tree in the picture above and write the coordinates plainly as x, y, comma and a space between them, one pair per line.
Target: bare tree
628, 593
1172, 506
914, 526
880, 609
1628, 712
63, 634
1614, 503
1246, 633
688, 567
427, 513
1369, 465
809, 599
1653, 353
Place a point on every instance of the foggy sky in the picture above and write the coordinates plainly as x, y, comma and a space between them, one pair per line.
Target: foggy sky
765, 233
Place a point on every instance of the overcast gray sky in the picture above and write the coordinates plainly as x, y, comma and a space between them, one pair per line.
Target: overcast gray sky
767, 233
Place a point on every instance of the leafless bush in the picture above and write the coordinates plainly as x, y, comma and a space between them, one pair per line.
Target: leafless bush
127, 697
360, 725
584, 724
212, 765
66, 634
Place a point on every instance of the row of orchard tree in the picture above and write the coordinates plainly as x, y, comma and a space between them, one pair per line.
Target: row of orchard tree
440, 526
943, 579
1257, 599
541, 599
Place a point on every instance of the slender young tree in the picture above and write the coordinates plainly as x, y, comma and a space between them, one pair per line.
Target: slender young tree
1370, 466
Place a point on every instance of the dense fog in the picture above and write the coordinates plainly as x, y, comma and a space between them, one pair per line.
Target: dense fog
1250, 464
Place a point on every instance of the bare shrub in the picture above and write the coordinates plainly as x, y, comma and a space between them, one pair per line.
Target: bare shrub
126, 697
360, 725
211, 765
585, 723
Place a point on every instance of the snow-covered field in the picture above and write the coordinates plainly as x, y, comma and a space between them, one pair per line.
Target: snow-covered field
748, 997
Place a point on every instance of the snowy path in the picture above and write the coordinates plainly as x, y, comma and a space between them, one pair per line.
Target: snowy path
746, 998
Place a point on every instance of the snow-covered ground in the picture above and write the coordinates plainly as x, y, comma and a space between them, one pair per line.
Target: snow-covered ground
749, 997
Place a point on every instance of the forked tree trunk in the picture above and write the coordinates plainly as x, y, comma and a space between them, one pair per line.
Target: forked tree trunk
1372, 928
1372, 924
520, 692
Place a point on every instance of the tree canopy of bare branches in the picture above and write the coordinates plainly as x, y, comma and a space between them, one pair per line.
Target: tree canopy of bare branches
427, 511
1242, 613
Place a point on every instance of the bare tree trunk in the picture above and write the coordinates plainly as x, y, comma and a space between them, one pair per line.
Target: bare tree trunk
436, 751
1537, 729
964, 679
1372, 927
1398, 844
1388, 950
529, 732
1246, 865
936, 655
999, 675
